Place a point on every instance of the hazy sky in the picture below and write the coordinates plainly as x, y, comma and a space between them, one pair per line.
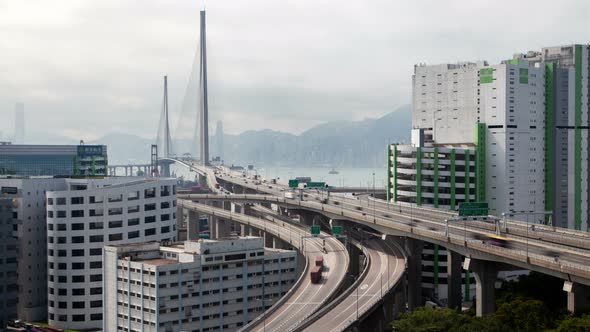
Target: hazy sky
85, 68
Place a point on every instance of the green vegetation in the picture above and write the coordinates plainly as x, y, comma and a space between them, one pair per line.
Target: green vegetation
534, 303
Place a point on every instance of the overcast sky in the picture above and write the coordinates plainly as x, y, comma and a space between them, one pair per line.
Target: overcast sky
86, 68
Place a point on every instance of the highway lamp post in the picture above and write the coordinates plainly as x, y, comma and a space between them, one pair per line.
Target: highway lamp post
527, 237
374, 208
262, 300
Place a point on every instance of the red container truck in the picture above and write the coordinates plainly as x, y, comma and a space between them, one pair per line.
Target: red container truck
315, 274
319, 261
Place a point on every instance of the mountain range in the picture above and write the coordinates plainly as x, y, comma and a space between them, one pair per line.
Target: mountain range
332, 144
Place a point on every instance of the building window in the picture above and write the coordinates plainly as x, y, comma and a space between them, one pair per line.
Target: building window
77, 279
77, 200
78, 266
133, 235
96, 238
78, 227
78, 291
77, 239
116, 237
95, 277
116, 224
96, 265
150, 231
77, 252
133, 222
78, 305
150, 219
95, 251
77, 213
79, 318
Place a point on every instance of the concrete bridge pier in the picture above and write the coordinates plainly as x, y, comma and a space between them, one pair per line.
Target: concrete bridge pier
578, 297
213, 228
414, 272
454, 271
279, 243
192, 226
399, 299
268, 240
485, 273
223, 228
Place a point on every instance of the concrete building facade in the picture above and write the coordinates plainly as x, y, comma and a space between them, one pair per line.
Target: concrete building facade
29, 215
203, 285
87, 215
8, 267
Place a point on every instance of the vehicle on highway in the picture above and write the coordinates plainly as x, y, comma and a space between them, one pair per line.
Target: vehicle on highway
217, 186
319, 261
290, 194
315, 275
498, 241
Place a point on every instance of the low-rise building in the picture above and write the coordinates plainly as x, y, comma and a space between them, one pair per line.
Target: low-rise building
53, 160
203, 285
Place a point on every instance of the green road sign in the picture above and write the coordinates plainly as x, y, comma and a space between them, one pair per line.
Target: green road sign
473, 209
315, 230
316, 184
337, 230
293, 183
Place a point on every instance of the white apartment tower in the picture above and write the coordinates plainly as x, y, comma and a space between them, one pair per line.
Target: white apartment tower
85, 216
203, 285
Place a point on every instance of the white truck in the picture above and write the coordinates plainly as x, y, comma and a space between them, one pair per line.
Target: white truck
289, 194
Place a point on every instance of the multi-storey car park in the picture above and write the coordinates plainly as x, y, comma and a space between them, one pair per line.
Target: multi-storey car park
83, 217
202, 285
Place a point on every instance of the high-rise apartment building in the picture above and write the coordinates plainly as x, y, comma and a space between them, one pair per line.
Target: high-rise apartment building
53, 160
87, 215
8, 254
203, 285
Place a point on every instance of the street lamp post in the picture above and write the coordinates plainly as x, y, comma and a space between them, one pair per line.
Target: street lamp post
374, 208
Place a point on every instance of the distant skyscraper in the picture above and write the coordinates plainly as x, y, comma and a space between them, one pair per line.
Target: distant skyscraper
219, 139
19, 123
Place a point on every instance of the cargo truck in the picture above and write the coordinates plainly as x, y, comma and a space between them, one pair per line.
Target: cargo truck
289, 194
319, 261
315, 275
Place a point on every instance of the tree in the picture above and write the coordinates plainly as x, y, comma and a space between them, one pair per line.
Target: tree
430, 320
574, 324
525, 315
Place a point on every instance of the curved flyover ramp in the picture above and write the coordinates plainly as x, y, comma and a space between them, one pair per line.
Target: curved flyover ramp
387, 266
305, 298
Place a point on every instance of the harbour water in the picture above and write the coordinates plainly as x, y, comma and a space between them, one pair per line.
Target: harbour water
347, 177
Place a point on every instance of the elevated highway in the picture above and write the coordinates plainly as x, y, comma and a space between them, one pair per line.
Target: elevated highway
305, 298
471, 239
559, 252
385, 272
